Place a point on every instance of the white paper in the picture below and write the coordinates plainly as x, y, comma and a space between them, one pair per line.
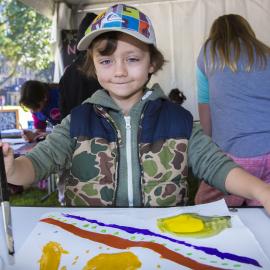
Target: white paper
237, 241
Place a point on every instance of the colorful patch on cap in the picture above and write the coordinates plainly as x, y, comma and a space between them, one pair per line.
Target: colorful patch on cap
123, 17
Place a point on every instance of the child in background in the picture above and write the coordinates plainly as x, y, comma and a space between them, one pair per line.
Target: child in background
234, 100
128, 145
42, 99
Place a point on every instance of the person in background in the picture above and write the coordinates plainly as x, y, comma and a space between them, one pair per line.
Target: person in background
74, 85
233, 75
128, 145
177, 96
43, 101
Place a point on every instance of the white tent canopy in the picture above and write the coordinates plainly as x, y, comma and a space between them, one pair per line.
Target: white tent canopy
181, 26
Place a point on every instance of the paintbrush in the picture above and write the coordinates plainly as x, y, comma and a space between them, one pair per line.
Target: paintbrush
5, 205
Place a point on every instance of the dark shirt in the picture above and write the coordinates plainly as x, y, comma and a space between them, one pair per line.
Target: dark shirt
75, 86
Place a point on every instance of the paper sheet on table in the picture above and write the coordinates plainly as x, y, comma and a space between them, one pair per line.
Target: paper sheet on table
14, 140
88, 233
14, 136
11, 133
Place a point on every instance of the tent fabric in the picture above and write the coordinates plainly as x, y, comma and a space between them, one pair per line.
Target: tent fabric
181, 27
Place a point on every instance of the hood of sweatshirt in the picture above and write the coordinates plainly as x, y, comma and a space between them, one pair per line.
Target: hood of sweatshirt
102, 97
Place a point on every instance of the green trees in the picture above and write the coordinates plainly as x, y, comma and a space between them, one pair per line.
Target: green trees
24, 38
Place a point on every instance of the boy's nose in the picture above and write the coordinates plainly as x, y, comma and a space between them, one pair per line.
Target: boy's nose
120, 69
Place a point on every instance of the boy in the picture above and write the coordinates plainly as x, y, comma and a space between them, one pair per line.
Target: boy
128, 145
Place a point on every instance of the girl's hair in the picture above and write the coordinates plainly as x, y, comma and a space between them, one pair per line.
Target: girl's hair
177, 96
33, 93
231, 36
156, 57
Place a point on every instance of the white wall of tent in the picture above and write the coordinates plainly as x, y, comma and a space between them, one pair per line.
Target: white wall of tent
181, 27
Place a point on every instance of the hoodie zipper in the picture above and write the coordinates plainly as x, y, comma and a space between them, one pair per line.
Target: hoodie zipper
129, 161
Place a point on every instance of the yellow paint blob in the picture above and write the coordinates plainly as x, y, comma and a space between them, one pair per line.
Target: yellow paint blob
183, 224
194, 225
119, 261
51, 256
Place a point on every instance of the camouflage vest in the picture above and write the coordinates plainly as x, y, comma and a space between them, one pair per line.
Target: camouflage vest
163, 137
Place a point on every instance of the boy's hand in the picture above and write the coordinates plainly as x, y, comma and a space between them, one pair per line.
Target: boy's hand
8, 158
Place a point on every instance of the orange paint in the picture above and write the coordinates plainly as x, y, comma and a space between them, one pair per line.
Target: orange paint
120, 243
119, 261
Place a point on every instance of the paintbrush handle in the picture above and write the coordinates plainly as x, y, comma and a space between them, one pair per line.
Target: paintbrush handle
4, 192
8, 227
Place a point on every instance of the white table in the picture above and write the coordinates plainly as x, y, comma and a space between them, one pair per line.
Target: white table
24, 220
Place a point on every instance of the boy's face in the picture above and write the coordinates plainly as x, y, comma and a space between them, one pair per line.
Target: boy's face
124, 73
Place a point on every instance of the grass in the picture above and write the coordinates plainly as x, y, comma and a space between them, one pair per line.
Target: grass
33, 197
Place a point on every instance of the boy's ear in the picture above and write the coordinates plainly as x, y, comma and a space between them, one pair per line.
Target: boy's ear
151, 68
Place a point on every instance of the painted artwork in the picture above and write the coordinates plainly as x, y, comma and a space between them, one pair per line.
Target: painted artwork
199, 237
9, 119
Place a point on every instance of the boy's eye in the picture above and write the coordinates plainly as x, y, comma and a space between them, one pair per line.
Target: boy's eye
133, 59
105, 61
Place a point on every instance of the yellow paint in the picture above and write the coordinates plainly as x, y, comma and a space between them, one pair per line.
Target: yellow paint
183, 224
51, 256
194, 225
119, 261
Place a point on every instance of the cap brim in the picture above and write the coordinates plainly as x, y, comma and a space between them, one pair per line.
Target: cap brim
87, 40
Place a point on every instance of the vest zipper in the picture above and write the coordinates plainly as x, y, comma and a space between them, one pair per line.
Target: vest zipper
129, 161
139, 154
